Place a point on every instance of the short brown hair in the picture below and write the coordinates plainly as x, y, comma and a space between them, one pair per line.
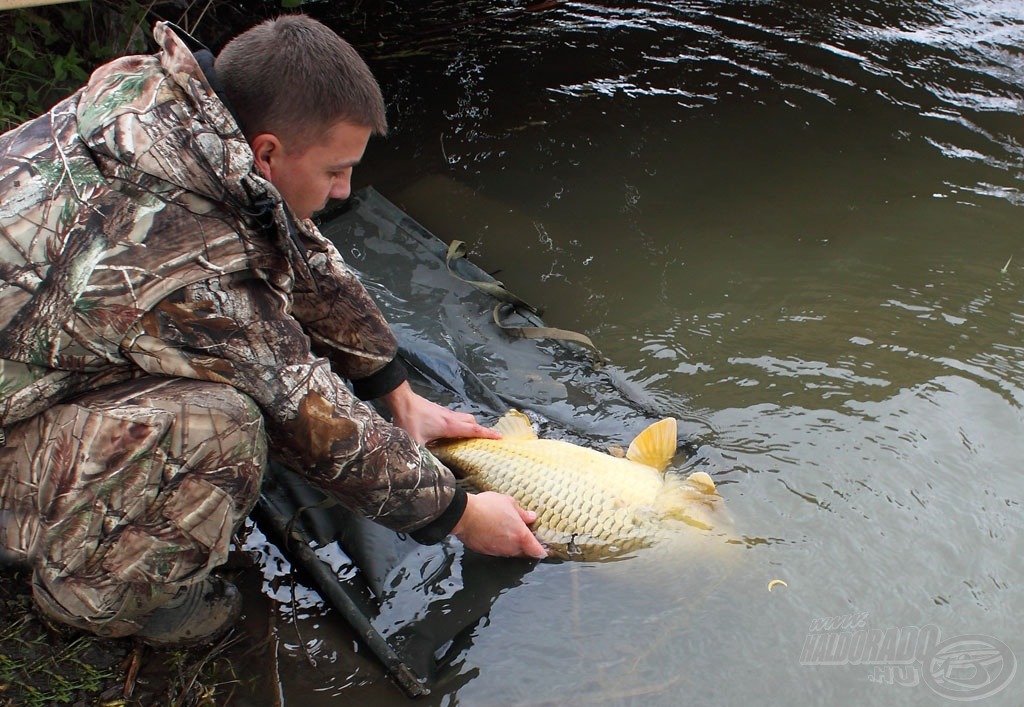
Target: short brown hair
295, 77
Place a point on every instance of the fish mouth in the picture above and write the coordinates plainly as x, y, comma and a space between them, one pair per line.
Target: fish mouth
578, 547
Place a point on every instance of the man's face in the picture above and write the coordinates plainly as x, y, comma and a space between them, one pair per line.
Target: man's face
323, 170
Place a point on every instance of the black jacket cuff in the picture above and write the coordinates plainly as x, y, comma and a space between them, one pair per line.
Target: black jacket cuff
380, 382
438, 529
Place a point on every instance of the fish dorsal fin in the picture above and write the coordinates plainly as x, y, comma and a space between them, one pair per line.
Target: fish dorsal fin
656, 445
515, 425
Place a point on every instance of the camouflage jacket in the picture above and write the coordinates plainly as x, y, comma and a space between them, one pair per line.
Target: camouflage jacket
136, 238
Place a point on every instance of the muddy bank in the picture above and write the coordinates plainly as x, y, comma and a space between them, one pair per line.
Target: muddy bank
44, 664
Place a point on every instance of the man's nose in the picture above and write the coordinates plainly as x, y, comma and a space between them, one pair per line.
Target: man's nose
342, 186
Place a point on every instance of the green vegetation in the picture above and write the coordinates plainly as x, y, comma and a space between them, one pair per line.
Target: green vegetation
36, 669
44, 664
58, 677
48, 51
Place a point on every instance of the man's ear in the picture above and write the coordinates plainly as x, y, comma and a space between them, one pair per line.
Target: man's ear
266, 148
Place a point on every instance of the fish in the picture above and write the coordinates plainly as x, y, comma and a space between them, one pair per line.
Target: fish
590, 505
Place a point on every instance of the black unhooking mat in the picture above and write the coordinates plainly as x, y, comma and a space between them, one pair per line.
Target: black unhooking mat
411, 604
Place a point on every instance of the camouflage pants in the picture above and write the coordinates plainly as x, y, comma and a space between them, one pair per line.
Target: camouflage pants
127, 494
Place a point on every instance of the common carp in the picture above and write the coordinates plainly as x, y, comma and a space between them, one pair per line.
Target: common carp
589, 505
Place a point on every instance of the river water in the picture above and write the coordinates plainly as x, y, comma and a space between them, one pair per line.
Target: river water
799, 225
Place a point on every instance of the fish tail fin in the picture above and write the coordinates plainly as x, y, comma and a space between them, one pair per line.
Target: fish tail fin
656, 445
692, 499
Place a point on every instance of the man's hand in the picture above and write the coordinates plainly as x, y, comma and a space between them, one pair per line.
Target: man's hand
426, 421
494, 524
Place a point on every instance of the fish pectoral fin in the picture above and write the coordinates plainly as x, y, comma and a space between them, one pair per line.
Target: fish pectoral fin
514, 425
656, 445
702, 481
693, 501
693, 522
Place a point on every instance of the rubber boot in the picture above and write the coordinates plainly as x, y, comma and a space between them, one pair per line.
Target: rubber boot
198, 613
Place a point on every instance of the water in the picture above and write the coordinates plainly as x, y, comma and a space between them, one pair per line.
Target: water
799, 224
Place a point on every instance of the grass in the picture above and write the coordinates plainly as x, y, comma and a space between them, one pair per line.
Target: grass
41, 664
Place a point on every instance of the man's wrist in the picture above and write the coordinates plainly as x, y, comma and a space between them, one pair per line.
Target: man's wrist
441, 527
381, 382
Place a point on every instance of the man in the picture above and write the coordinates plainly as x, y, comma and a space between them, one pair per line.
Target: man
169, 313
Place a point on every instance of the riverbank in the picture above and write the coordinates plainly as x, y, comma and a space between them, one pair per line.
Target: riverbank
44, 664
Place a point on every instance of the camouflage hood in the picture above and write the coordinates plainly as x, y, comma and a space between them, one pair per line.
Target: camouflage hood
157, 117
137, 140
109, 202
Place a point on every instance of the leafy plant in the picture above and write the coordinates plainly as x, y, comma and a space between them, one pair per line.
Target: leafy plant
49, 51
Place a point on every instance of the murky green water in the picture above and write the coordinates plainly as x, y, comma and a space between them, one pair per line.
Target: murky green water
800, 225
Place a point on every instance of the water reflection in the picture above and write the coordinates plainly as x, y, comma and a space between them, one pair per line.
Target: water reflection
796, 225
957, 66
